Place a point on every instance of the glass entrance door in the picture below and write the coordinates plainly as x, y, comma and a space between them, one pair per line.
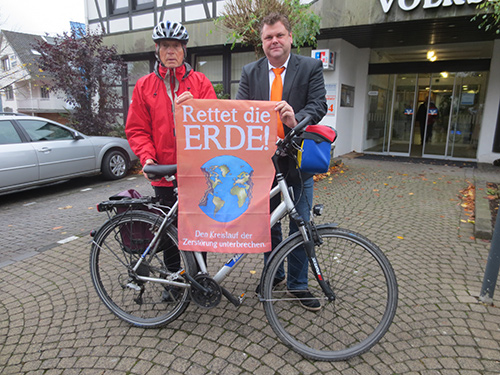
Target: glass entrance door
465, 116
390, 119
435, 115
402, 114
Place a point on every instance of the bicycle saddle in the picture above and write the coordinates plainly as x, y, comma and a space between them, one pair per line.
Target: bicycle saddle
157, 171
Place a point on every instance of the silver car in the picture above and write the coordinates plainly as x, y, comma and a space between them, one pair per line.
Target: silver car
35, 151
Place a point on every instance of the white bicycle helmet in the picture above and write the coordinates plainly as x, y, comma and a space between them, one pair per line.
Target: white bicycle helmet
170, 30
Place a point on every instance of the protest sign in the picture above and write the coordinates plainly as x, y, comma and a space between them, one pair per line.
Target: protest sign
225, 174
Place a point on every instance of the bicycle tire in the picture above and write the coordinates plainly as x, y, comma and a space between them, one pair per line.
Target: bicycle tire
366, 298
116, 248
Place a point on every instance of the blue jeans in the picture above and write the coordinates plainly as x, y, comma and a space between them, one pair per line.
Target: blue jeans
297, 260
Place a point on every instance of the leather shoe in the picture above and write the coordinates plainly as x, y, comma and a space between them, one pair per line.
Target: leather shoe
306, 299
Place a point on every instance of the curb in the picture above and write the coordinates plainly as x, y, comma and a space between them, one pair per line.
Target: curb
482, 227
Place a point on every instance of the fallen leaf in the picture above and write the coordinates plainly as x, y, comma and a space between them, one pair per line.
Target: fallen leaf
401, 237
56, 228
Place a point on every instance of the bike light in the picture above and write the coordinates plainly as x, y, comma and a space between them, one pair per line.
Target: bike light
318, 210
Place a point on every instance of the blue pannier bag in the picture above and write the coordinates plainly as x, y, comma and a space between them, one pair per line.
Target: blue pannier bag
315, 149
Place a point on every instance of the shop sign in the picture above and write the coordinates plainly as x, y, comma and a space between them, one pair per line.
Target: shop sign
408, 5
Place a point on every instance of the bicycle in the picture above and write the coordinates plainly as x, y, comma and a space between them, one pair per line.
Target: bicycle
144, 283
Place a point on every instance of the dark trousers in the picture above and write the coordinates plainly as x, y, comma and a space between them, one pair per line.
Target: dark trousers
171, 255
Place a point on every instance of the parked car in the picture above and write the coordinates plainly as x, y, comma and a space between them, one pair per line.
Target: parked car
35, 151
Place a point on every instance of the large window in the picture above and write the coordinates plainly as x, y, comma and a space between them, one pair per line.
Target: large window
211, 66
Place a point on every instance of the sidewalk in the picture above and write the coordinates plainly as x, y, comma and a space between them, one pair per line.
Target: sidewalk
54, 323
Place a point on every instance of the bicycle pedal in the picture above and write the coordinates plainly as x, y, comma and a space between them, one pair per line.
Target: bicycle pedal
241, 298
134, 286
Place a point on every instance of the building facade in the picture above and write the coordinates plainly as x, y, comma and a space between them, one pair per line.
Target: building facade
412, 78
22, 87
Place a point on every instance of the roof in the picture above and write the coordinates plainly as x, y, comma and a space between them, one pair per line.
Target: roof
22, 44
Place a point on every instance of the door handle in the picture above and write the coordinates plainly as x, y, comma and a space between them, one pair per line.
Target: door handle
45, 150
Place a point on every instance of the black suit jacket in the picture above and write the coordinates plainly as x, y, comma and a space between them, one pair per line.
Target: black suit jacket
304, 90
304, 87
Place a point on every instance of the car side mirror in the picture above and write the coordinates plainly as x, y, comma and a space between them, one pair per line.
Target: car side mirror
77, 136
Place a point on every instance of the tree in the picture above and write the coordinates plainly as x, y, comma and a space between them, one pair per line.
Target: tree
88, 73
243, 17
489, 15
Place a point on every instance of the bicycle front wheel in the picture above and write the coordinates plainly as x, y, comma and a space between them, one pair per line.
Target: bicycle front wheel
116, 249
365, 288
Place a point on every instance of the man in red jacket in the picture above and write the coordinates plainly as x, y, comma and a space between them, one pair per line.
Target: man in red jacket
150, 126
150, 123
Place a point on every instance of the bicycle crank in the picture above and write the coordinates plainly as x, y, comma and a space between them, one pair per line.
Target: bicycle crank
208, 298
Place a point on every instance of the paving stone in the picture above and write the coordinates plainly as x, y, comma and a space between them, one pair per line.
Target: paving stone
54, 322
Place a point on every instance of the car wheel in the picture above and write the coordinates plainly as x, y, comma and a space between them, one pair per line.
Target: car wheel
114, 165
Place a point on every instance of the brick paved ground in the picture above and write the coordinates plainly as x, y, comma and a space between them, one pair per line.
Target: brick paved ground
53, 322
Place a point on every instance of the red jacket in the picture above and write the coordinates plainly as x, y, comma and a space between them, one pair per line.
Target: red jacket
150, 125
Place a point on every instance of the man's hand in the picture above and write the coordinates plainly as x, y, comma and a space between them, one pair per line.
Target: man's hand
287, 114
149, 161
186, 95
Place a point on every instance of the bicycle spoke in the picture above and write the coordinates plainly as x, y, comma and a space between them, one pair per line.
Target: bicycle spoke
116, 252
365, 303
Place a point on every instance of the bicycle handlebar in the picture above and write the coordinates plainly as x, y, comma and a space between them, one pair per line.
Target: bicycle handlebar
299, 128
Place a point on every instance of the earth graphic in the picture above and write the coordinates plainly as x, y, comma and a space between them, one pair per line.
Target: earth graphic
229, 188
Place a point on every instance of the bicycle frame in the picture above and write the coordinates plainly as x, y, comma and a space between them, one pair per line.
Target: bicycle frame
286, 207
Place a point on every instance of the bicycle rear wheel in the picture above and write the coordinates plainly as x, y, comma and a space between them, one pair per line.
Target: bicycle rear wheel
117, 247
366, 293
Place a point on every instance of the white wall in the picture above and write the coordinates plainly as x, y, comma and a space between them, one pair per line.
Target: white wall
491, 109
351, 69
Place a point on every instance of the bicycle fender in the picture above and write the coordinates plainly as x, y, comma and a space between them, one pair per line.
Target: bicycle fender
289, 239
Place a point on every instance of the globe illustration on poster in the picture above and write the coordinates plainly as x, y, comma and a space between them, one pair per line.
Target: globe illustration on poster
229, 188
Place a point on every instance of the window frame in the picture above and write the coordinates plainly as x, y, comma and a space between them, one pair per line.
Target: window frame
6, 64
44, 92
113, 10
148, 5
